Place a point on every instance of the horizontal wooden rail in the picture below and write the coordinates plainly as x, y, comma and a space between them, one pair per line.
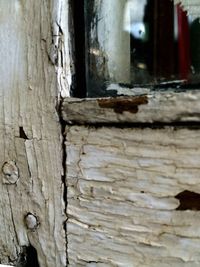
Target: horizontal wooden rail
165, 107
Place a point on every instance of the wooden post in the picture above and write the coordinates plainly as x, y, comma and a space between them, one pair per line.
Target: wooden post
32, 76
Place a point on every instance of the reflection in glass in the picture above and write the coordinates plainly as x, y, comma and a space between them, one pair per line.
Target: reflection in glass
140, 43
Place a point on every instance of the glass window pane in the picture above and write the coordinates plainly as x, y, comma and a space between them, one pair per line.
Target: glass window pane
140, 43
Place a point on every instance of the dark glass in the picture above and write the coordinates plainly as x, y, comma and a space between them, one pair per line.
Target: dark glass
139, 43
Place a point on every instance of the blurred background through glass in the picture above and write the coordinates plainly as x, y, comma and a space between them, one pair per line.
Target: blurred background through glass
140, 43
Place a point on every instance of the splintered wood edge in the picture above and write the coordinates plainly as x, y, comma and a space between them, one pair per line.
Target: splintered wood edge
164, 107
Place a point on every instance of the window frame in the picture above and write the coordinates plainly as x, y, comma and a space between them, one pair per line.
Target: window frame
135, 106
81, 85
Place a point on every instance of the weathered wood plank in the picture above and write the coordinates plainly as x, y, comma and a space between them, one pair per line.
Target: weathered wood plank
32, 37
124, 201
148, 108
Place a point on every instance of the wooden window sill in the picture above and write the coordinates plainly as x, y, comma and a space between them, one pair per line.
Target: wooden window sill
163, 107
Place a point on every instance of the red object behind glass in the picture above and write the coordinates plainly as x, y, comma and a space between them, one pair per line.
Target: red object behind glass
183, 43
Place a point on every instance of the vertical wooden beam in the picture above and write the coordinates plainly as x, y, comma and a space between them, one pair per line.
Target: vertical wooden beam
34, 65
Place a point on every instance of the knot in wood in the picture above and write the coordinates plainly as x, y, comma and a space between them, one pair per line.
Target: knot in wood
11, 172
31, 221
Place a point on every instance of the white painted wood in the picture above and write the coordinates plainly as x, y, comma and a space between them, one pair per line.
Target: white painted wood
33, 35
145, 108
60, 49
122, 185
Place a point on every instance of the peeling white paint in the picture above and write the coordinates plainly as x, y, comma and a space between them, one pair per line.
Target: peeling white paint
122, 205
29, 93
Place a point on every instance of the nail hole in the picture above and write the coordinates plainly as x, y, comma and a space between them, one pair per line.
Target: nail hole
11, 172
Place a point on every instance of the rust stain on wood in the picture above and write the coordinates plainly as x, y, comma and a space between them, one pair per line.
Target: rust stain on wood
121, 104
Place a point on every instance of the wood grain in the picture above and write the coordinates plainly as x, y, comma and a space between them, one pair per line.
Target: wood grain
164, 107
125, 187
32, 41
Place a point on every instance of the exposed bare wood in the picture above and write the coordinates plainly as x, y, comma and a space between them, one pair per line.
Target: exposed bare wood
32, 35
133, 197
157, 107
